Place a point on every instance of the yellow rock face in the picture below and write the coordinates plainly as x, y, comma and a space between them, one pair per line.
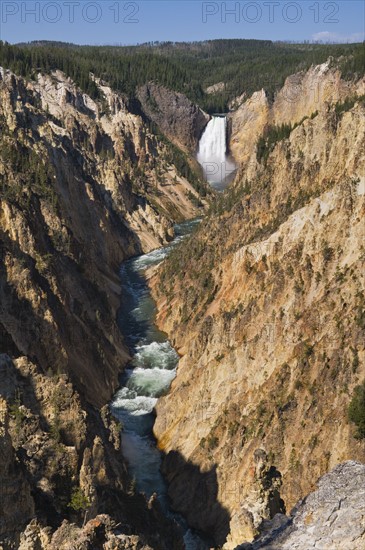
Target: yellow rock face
270, 363
302, 95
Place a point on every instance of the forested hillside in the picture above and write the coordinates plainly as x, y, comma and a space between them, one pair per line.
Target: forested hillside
237, 65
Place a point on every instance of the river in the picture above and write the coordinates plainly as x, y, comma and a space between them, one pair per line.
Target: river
153, 366
146, 378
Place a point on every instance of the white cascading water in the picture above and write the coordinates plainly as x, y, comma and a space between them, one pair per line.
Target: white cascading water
212, 154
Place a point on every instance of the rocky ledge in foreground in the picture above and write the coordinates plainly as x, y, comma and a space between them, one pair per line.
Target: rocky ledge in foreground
330, 518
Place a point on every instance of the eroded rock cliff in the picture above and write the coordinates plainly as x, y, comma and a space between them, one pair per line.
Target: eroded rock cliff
302, 95
266, 306
61, 465
84, 185
331, 517
80, 192
181, 120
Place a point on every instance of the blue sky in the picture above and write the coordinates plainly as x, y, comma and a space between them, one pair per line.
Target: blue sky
131, 22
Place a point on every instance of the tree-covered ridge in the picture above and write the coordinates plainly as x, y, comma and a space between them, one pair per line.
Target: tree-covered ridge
122, 70
242, 65
249, 65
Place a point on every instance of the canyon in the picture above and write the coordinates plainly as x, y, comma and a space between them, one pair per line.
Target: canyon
263, 304
84, 186
264, 308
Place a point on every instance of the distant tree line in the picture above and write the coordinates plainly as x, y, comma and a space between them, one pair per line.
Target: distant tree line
242, 65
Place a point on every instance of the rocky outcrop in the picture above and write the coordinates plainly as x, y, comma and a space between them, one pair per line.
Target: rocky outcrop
100, 532
265, 306
331, 517
61, 465
16, 503
215, 88
176, 116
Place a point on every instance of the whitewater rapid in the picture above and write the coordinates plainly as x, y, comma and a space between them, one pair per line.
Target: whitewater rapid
218, 166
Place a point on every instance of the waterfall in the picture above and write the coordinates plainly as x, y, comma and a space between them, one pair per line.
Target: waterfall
213, 142
218, 167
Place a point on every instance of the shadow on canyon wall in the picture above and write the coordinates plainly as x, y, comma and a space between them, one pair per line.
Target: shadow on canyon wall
194, 494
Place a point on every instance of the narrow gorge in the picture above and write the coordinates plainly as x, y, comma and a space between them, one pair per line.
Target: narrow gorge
153, 366
146, 378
